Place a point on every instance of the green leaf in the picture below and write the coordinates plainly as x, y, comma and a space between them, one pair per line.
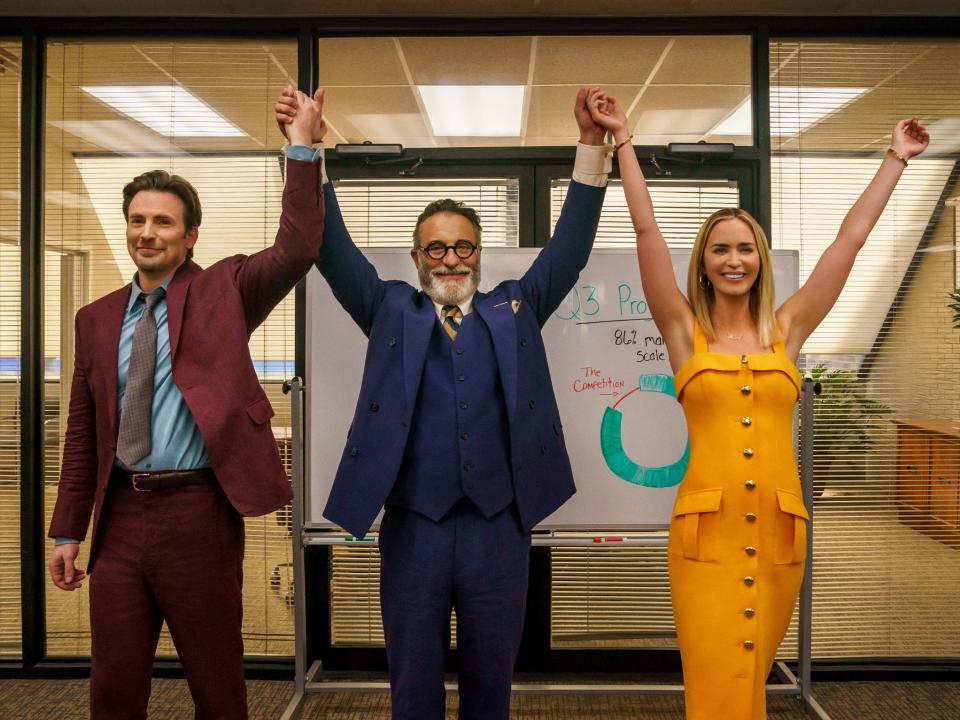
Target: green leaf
955, 306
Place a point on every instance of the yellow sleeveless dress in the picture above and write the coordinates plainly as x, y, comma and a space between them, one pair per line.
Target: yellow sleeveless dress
738, 534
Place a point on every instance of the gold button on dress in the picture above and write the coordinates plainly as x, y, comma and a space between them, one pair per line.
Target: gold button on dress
727, 651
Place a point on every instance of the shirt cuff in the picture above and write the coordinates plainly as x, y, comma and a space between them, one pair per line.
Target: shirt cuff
593, 164
60, 540
308, 154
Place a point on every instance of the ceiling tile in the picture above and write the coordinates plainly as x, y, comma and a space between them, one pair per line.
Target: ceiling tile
706, 60
360, 62
596, 60
684, 111
468, 60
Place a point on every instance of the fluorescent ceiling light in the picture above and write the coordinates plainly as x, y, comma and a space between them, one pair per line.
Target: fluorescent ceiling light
676, 122
63, 198
474, 110
793, 109
168, 109
738, 123
945, 134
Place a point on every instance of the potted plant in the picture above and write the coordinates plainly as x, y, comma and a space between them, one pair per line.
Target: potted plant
955, 306
845, 420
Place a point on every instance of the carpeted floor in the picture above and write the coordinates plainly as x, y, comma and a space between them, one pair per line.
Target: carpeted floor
67, 700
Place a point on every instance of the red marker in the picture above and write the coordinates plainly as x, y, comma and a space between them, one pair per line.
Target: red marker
608, 539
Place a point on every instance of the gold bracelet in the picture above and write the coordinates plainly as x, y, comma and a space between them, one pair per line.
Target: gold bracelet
898, 155
620, 145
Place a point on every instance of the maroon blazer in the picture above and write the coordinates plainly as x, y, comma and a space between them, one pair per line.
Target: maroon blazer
211, 314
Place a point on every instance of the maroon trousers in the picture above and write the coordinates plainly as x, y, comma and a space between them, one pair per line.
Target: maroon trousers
174, 555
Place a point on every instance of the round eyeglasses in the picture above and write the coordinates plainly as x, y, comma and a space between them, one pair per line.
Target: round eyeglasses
438, 250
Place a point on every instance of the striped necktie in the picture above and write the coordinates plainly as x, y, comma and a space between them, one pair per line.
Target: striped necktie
135, 436
451, 320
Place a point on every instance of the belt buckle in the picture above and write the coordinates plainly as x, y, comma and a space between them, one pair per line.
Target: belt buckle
135, 477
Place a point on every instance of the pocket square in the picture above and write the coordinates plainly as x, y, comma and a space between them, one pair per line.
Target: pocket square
515, 304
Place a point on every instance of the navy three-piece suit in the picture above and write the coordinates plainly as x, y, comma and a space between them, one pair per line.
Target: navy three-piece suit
462, 442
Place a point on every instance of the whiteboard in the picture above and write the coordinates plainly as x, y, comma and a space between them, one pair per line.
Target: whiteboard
624, 430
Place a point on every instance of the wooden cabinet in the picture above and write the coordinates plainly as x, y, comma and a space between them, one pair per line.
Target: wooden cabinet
928, 477
913, 471
944, 468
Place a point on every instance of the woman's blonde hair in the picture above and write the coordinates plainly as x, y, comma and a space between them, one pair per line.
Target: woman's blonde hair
762, 294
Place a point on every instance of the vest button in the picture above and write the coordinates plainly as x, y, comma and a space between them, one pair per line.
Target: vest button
354, 452
746, 421
464, 435
458, 351
461, 377
374, 407
750, 484
467, 467
746, 390
463, 405
748, 581
748, 452
532, 404
750, 550
750, 517
523, 342
392, 342
748, 644
749, 612
543, 449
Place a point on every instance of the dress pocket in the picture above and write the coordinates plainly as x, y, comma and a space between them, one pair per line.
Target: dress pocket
260, 411
696, 521
791, 539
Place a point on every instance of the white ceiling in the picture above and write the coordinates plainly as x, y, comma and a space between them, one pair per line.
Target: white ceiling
674, 88
478, 8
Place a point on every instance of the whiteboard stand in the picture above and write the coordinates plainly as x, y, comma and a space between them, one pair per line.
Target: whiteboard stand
308, 680
296, 536
806, 589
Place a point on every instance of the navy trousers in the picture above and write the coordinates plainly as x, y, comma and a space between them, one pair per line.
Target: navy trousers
466, 562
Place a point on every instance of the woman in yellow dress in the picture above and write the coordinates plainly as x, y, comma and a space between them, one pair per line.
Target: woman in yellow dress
738, 532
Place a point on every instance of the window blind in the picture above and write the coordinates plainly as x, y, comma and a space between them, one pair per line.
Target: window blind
201, 108
10, 375
886, 443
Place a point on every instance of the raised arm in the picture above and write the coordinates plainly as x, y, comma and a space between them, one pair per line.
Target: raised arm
557, 267
266, 277
668, 306
800, 315
352, 278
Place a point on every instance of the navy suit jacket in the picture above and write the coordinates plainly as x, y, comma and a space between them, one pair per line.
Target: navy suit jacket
398, 320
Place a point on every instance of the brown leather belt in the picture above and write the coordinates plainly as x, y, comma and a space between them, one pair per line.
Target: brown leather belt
165, 479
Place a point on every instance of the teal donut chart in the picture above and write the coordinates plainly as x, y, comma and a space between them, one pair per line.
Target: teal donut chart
611, 441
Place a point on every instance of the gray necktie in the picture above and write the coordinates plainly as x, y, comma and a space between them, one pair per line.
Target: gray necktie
135, 418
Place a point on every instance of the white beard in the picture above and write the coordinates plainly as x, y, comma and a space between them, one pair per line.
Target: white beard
448, 293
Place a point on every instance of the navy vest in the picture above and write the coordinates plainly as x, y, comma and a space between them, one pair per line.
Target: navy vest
458, 444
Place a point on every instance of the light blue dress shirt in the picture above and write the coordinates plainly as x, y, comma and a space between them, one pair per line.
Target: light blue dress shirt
305, 153
176, 443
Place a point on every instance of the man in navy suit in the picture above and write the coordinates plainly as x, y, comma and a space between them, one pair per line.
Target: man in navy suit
456, 433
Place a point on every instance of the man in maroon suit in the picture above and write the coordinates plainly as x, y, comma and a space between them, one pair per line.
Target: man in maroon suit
169, 442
